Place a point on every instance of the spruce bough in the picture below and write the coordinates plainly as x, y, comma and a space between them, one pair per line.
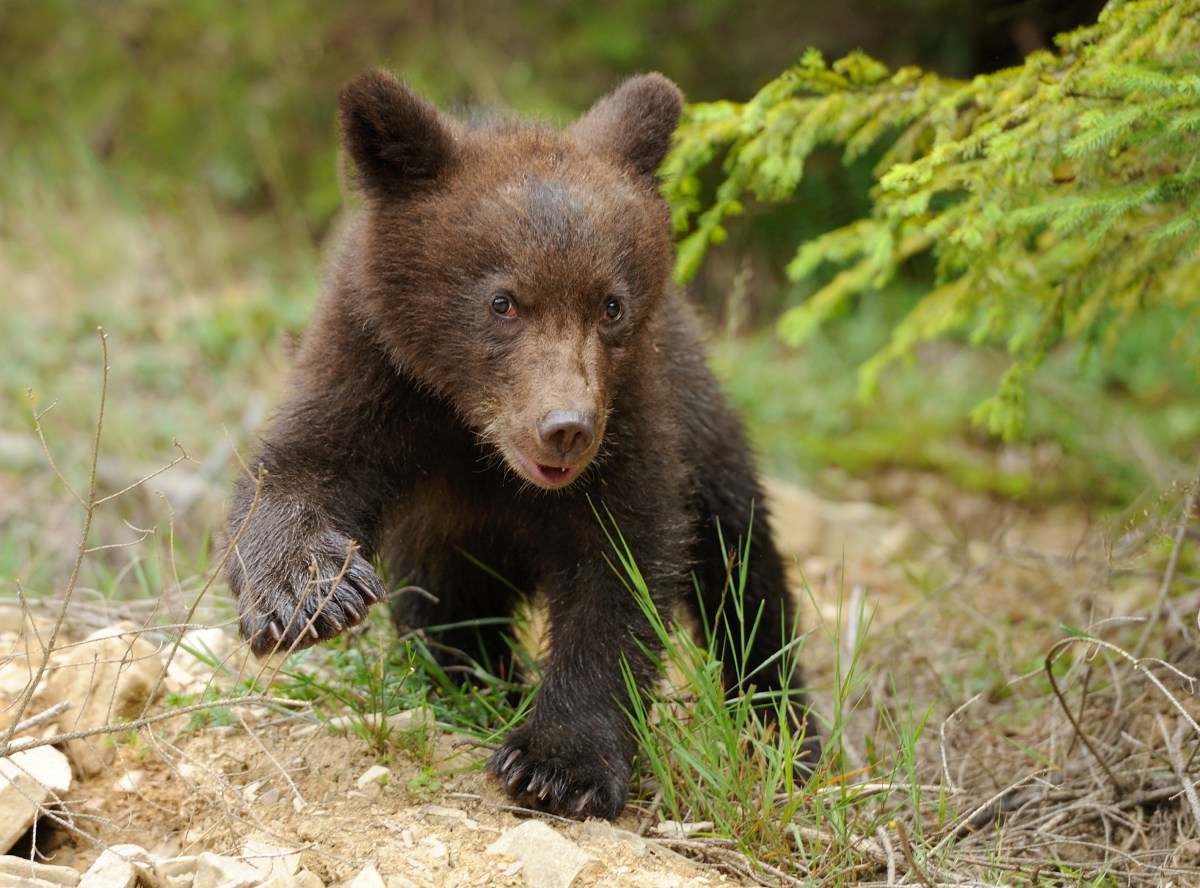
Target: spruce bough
1058, 198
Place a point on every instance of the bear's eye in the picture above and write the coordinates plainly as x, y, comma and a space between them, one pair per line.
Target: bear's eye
612, 309
504, 305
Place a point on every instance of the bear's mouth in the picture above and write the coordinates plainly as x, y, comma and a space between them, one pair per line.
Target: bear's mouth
546, 475
556, 475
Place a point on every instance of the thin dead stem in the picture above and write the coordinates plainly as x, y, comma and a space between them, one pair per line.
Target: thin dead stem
274, 762
1168, 577
42, 717
89, 510
149, 720
1175, 753
907, 851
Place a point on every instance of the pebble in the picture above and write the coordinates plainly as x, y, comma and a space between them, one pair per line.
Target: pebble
549, 860
375, 778
29, 780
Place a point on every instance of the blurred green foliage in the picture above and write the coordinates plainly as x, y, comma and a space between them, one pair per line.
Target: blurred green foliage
1058, 199
170, 170
189, 102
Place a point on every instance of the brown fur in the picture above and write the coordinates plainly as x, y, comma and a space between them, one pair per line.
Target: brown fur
498, 355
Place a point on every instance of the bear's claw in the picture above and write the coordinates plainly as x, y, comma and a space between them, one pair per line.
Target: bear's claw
290, 611
570, 789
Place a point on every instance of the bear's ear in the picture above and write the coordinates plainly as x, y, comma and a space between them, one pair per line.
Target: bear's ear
634, 122
397, 140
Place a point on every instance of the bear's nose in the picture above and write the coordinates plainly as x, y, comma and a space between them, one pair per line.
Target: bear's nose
567, 430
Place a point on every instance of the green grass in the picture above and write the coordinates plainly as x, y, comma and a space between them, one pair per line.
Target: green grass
732, 763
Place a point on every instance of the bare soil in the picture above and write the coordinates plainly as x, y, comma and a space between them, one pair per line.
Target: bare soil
966, 595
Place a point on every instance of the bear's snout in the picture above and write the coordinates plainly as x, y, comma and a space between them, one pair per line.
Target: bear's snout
567, 431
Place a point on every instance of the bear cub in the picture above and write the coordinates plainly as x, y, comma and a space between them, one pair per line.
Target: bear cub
498, 360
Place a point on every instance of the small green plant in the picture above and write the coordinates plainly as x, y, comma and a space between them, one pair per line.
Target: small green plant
427, 782
1058, 199
366, 678
211, 716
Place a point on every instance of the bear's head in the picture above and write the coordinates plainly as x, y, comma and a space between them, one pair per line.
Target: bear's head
512, 269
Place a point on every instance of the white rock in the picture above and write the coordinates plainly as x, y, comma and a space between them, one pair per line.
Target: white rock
109, 871
18, 870
29, 780
375, 776
177, 872
368, 878
250, 791
122, 866
636, 845
131, 781
400, 882
306, 879
675, 829
435, 849
407, 720
511, 869
7, 881
198, 647
444, 812
550, 860
192, 772
135, 854
270, 860
18, 672
215, 871
110, 676
180, 681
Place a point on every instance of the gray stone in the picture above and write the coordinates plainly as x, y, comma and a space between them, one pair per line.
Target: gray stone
549, 860
29, 780
110, 870
215, 871
110, 676
29, 872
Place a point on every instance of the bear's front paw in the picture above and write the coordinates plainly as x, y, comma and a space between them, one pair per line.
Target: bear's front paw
581, 783
292, 603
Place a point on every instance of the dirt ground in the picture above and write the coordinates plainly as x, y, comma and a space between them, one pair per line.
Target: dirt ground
964, 593
295, 787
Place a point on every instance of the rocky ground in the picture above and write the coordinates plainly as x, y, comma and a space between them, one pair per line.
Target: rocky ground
277, 797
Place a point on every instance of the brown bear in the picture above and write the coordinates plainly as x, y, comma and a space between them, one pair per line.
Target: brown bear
499, 366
